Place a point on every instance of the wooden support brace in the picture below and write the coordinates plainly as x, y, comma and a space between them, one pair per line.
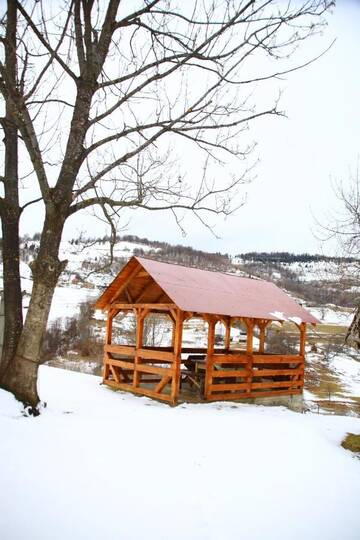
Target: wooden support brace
164, 381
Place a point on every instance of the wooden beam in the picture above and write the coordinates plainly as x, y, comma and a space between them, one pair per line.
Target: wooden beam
209, 356
142, 391
154, 354
164, 381
131, 276
126, 350
175, 384
249, 350
106, 368
227, 333
108, 334
144, 290
262, 327
302, 339
140, 317
128, 295
165, 307
114, 373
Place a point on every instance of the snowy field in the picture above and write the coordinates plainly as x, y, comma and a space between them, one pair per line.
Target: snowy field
104, 465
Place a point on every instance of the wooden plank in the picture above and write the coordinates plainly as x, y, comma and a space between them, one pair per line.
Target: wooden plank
231, 373
228, 386
276, 384
277, 359
121, 363
164, 381
120, 349
144, 368
274, 372
138, 390
156, 355
235, 397
228, 396
230, 358
271, 393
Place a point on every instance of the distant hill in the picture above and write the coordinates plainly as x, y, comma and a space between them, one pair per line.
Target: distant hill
316, 279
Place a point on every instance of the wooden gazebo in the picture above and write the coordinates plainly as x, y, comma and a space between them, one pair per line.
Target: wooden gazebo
146, 286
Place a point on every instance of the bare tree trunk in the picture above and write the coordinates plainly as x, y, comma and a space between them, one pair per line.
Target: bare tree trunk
10, 211
353, 334
21, 379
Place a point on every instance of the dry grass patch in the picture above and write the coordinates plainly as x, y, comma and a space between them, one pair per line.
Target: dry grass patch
352, 443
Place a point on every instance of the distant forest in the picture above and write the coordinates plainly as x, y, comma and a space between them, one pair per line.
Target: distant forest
286, 257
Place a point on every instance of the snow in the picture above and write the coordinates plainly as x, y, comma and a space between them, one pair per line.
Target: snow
278, 315
331, 314
67, 300
349, 371
295, 320
99, 464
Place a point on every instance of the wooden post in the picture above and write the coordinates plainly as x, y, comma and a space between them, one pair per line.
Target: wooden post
175, 383
173, 334
108, 339
249, 350
209, 356
140, 317
262, 326
109, 325
302, 339
227, 333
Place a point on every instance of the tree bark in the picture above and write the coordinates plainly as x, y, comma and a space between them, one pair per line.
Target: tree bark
10, 211
353, 334
21, 377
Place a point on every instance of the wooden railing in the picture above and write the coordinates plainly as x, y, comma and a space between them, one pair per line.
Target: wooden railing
131, 369
228, 376
241, 376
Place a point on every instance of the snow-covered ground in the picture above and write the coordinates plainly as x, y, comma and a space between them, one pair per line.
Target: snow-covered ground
348, 370
104, 465
330, 314
322, 270
67, 300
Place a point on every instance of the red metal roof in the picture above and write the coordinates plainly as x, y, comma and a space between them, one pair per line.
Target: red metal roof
203, 291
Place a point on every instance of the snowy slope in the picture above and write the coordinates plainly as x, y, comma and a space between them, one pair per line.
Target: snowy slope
104, 465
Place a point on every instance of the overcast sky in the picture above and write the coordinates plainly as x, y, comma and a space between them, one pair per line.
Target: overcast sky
299, 155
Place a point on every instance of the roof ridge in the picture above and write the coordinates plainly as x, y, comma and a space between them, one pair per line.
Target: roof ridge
197, 268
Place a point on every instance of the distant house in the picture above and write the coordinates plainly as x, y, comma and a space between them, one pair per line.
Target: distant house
146, 286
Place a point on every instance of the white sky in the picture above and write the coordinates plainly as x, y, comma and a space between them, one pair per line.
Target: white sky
298, 157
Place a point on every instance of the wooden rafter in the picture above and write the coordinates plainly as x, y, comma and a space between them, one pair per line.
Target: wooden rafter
132, 275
